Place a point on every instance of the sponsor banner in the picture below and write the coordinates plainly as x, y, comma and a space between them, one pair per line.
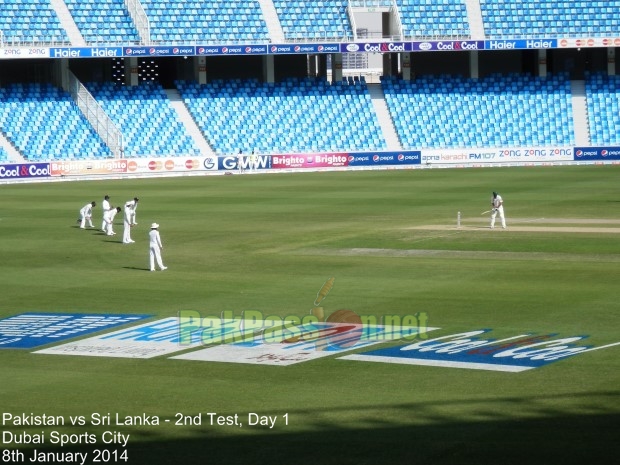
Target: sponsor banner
395, 158
85, 52
375, 47
162, 51
589, 42
163, 337
244, 162
320, 160
29, 330
25, 52
25, 170
597, 153
447, 45
163, 165
288, 345
385, 158
466, 350
281, 49
520, 44
210, 163
88, 167
144, 341
255, 49
497, 155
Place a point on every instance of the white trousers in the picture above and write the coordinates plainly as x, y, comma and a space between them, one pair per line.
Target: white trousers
85, 218
155, 255
126, 232
499, 210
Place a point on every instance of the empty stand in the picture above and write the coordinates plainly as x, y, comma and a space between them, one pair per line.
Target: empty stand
293, 116
144, 115
206, 21
434, 18
314, 19
24, 22
43, 123
497, 111
603, 101
103, 21
549, 18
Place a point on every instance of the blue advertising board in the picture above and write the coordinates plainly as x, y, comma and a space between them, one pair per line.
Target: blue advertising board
159, 51
537, 44
249, 49
29, 330
25, 170
447, 45
597, 153
86, 52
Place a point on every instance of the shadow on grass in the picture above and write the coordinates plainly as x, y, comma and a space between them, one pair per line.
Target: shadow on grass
540, 435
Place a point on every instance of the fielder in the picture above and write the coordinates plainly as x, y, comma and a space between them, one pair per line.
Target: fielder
105, 206
155, 247
109, 220
498, 207
127, 220
86, 214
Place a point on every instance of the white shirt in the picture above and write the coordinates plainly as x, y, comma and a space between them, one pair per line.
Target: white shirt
109, 215
498, 201
154, 239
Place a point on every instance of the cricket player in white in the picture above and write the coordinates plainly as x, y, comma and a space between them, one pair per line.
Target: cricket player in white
132, 218
105, 206
498, 207
155, 247
109, 220
127, 222
86, 214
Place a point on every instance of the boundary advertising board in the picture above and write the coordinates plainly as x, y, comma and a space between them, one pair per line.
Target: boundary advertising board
411, 159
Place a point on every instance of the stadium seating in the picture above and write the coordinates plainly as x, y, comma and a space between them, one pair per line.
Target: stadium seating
314, 19
206, 21
293, 116
453, 112
548, 18
4, 157
434, 18
149, 125
603, 100
24, 22
44, 124
103, 21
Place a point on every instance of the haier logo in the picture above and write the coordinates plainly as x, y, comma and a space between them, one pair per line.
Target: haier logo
466, 350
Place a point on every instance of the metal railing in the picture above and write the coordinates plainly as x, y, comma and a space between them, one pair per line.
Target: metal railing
96, 116
140, 19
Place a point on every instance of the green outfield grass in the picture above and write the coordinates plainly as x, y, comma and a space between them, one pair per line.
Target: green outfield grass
268, 243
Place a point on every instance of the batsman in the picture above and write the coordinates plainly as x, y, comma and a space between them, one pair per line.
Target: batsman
498, 207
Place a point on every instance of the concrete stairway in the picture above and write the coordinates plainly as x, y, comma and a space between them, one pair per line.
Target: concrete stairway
67, 22
272, 21
383, 115
580, 112
14, 155
190, 125
474, 14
